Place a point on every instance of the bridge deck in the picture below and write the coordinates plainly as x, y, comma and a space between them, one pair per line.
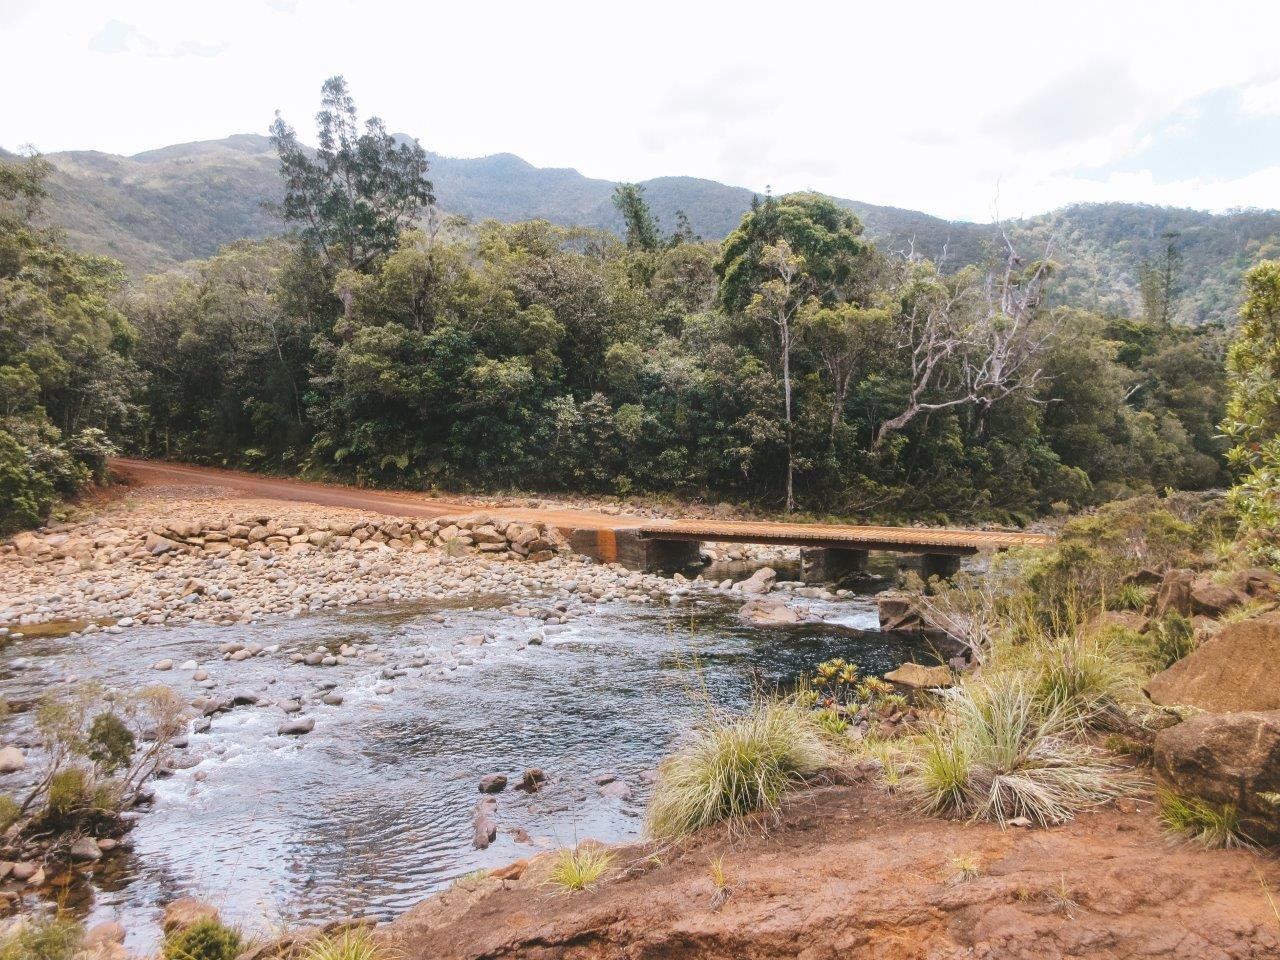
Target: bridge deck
936, 540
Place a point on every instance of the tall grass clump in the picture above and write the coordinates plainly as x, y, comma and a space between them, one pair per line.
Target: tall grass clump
1000, 753
1215, 826
579, 868
1081, 676
206, 940
55, 937
354, 943
734, 765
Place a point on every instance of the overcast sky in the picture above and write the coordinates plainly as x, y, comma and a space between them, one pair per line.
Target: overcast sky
960, 109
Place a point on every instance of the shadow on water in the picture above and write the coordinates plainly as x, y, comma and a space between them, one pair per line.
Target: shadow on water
371, 812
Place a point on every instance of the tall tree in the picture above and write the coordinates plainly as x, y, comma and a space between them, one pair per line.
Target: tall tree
1158, 282
353, 197
641, 229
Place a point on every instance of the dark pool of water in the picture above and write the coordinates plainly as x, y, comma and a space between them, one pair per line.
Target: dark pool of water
372, 811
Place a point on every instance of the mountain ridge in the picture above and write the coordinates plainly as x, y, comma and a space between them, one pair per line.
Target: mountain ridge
160, 207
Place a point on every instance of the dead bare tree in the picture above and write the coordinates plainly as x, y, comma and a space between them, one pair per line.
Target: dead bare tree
971, 340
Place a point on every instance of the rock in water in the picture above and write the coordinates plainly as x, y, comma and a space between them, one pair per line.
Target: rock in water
12, 760
760, 582
85, 849
531, 780
1227, 758
296, 727
485, 822
919, 677
493, 783
1237, 669
768, 613
187, 912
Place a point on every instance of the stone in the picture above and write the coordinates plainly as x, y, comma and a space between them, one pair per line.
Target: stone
85, 849
162, 665
768, 613
157, 544
100, 934
187, 912
899, 612
761, 581
531, 780
1227, 758
919, 677
616, 789
25, 870
1236, 669
493, 783
12, 760
296, 727
332, 699
1173, 595
485, 823
512, 871
1214, 599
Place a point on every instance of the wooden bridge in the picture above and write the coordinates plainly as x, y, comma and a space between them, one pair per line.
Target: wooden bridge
830, 551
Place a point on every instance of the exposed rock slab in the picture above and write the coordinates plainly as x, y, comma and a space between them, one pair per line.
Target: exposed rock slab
1236, 669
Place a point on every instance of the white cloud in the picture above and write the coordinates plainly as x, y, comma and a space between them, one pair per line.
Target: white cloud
932, 105
1261, 99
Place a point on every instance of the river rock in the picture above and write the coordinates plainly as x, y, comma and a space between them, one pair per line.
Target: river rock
531, 780
616, 789
761, 581
24, 870
332, 699
12, 760
187, 912
768, 613
1236, 669
162, 665
485, 822
1226, 758
493, 783
919, 677
296, 727
899, 612
84, 849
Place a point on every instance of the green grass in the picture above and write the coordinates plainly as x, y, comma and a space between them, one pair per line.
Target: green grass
999, 754
734, 765
1216, 826
41, 938
354, 943
1130, 596
580, 868
1079, 677
831, 721
1169, 640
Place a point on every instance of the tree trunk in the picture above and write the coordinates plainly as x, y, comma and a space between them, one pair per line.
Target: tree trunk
786, 396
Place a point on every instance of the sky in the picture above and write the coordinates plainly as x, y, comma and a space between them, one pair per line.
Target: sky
964, 110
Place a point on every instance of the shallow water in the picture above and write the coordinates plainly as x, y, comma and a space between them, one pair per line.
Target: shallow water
372, 811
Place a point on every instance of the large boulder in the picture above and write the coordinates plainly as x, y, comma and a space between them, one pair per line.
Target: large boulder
1173, 595
761, 581
1238, 668
12, 760
919, 677
769, 613
1227, 758
1212, 599
903, 612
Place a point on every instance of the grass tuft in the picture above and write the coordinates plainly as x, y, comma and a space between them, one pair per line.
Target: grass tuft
998, 754
206, 940
734, 765
580, 868
1215, 826
41, 938
354, 943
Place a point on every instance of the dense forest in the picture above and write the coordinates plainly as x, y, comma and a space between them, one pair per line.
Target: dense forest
162, 207
795, 363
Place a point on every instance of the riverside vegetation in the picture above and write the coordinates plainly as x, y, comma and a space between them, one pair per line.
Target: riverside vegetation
794, 366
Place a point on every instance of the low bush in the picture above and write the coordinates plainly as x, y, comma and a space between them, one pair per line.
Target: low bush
206, 940
734, 765
41, 938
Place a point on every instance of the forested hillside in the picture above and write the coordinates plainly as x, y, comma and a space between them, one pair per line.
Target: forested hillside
181, 202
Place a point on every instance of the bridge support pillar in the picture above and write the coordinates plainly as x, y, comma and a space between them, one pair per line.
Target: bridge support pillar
941, 565
629, 549
832, 565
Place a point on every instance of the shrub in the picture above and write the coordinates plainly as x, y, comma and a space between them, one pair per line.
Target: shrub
580, 868
111, 743
1080, 676
70, 790
831, 721
41, 938
1210, 824
206, 940
1169, 640
732, 766
354, 943
997, 754
1130, 596
26, 494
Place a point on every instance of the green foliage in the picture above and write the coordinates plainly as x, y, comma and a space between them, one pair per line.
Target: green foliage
580, 868
70, 790
1211, 824
206, 940
9, 811
1252, 422
1169, 639
734, 765
110, 743
1130, 596
53, 937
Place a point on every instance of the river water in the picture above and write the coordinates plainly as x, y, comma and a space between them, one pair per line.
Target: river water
371, 812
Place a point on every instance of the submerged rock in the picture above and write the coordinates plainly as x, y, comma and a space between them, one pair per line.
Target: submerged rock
485, 822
